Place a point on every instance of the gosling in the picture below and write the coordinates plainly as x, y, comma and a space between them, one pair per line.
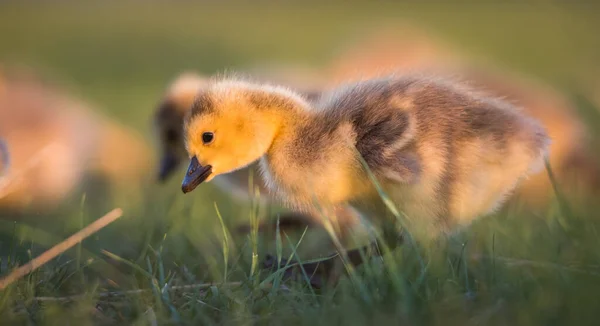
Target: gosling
445, 154
55, 145
168, 127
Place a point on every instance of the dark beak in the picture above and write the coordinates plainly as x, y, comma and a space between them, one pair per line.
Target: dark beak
195, 175
168, 164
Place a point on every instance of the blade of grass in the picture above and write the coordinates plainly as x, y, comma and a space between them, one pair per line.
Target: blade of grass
278, 253
344, 258
61, 247
278, 244
127, 262
164, 294
81, 223
562, 202
494, 258
466, 271
11, 252
300, 264
280, 270
153, 283
225, 244
390, 205
254, 232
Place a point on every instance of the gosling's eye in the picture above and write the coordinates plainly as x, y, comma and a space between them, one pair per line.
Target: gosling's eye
207, 137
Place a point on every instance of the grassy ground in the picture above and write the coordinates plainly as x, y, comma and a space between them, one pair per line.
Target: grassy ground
513, 267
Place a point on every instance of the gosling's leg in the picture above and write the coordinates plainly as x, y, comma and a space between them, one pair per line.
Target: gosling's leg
329, 270
342, 220
289, 221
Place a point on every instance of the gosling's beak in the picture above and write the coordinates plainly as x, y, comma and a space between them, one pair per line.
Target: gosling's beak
168, 164
195, 175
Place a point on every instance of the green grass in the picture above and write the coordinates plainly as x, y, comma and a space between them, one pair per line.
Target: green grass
175, 259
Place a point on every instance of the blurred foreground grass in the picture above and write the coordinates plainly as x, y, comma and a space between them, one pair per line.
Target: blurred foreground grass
514, 267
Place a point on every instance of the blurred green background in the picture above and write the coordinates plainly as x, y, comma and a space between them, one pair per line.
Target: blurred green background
120, 56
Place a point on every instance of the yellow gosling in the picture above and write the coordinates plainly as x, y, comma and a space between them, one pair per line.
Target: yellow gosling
177, 101
168, 129
445, 154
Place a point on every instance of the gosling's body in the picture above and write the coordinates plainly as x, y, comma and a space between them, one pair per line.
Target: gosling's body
572, 157
444, 153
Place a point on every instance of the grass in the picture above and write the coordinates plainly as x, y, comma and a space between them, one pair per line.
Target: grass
174, 259
504, 269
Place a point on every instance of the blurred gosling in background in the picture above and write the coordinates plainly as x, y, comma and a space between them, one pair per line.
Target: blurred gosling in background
57, 144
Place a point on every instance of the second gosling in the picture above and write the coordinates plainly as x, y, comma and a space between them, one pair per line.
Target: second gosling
444, 153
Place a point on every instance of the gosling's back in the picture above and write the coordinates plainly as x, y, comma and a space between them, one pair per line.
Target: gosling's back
446, 153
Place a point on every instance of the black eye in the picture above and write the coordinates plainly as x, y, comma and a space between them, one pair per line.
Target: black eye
207, 137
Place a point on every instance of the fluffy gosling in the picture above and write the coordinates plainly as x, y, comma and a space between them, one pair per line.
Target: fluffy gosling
58, 145
444, 154
168, 127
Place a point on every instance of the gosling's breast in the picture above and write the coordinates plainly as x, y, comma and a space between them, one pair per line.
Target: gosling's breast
330, 174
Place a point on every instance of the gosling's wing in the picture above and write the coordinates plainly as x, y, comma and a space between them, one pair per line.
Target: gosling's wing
386, 145
383, 123
401, 166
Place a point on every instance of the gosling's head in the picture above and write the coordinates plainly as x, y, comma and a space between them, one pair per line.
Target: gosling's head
231, 125
168, 122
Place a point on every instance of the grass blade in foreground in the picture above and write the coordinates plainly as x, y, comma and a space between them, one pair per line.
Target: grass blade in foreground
61, 247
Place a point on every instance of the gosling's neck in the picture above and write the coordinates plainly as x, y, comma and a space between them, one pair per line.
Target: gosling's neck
309, 157
284, 109
279, 109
